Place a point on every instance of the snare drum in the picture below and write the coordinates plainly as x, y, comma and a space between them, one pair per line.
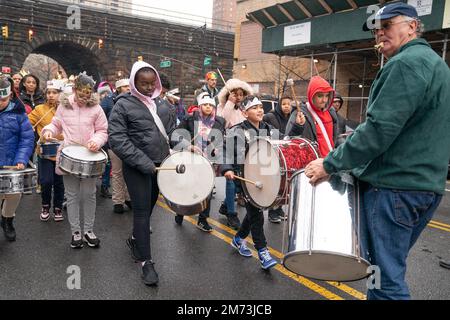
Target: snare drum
81, 162
15, 181
273, 162
186, 193
48, 150
322, 240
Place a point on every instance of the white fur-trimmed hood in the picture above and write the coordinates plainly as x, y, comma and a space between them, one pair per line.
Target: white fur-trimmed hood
230, 85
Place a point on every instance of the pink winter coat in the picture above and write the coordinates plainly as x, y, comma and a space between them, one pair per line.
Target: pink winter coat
79, 125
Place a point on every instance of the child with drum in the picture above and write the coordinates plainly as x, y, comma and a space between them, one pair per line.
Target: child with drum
139, 135
279, 118
46, 151
16, 147
203, 125
82, 122
230, 104
239, 137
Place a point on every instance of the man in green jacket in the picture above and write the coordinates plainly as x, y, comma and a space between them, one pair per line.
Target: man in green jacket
400, 154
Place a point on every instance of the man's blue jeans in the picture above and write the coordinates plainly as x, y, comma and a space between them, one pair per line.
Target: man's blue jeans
391, 222
230, 192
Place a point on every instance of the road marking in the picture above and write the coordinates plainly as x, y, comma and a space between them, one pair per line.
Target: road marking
438, 227
302, 280
440, 223
448, 190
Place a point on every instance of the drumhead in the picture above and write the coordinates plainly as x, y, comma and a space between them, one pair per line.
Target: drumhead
190, 187
262, 164
83, 153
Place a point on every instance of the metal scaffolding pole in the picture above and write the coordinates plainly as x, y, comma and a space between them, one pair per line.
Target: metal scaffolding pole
362, 90
312, 64
335, 70
444, 49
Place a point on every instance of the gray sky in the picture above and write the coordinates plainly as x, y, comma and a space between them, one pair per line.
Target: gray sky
189, 11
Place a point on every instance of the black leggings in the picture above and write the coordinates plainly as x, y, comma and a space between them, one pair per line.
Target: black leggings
144, 191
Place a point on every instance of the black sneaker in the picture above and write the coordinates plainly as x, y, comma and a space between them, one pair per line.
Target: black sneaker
149, 275
118, 208
104, 192
223, 209
45, 213
128, 203
91, 239
131, 243
204, 225
179, 219
77, 241
274, 216
233, 221
282, 214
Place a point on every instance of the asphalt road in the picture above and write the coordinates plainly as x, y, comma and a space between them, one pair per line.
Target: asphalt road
191, 264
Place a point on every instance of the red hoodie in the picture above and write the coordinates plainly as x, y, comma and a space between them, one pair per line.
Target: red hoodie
318, 84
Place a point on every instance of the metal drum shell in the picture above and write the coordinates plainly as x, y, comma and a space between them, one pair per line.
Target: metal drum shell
82, 168
17, 181
48, 150
323, 244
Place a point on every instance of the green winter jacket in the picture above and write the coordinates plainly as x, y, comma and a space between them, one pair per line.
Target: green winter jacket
404, 143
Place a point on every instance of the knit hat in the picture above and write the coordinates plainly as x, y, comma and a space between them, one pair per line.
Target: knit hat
83, 81
122, 83
5, 91
104, 89
210, 75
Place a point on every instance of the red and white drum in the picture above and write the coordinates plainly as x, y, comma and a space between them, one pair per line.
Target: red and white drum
272, 163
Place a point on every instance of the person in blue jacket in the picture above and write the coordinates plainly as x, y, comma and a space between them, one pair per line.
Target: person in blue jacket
16, 147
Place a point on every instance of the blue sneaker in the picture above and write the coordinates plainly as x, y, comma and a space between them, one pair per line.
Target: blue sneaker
241, 246
266, 259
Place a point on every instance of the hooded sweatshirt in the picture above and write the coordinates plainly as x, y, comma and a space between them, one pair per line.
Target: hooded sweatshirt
318, 84
133, 133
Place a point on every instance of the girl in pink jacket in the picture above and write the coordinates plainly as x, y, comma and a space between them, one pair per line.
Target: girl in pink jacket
82, 121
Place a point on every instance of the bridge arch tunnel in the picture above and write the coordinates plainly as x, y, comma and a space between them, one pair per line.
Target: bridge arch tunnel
73, 58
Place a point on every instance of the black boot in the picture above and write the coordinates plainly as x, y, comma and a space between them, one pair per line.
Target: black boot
8, 228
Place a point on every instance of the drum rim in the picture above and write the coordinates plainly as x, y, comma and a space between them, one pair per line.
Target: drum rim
308, 253
18, 172
64, 155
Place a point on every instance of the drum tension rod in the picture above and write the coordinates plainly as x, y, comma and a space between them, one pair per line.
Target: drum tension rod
180, 168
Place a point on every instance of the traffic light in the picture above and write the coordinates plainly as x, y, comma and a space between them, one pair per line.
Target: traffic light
5, 32
30, 34
100, 43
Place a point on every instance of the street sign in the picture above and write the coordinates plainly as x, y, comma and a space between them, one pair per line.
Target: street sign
165, 64
207, 61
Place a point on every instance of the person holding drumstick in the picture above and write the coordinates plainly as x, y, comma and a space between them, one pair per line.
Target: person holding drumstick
239, 137
400, 153
203, 126
16, 147
139, 135
48, 179
82, 121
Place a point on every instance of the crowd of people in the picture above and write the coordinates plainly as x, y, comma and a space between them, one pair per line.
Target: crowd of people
399, 154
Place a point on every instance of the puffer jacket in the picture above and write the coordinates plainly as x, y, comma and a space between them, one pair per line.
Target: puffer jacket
228, 110
16, 135
133, 134
79, 125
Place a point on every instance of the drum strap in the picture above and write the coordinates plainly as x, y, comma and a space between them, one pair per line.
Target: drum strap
322, 127
158, 122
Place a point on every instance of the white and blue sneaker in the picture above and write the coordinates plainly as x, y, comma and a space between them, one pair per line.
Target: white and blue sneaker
241, 246
266, 259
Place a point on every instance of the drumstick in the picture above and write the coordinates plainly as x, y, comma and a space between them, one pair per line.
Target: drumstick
180, 168
290, 82
258, 184
82, 145
39, 121
8, 167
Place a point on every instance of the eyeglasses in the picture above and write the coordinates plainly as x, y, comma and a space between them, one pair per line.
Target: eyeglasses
386, 26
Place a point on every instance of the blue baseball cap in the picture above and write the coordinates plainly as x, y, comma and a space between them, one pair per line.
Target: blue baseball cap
392, 10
